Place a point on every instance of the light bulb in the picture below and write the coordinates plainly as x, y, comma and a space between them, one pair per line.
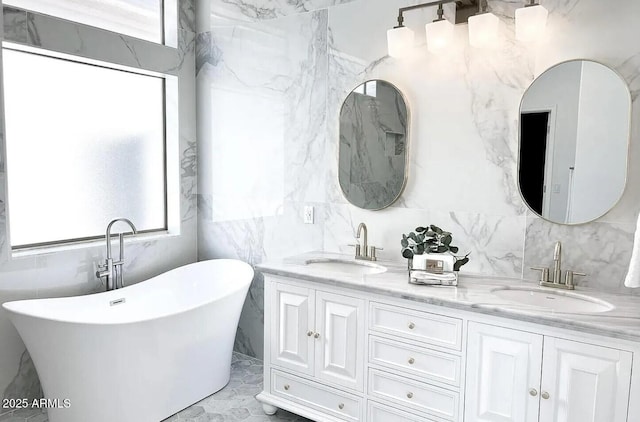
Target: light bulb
483, 30
399, 41
439, 34
530, 23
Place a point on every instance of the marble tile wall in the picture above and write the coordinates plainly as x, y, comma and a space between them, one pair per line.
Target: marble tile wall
72, 272
304, 57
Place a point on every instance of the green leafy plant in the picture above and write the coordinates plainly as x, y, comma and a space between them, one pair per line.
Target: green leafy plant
431, 239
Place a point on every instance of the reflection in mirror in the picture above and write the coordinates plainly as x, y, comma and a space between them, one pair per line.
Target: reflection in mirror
372, 158
574, 140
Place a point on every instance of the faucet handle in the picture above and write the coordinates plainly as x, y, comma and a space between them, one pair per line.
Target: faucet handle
372, 252
544, 273
357, 246
102, 271
568, 278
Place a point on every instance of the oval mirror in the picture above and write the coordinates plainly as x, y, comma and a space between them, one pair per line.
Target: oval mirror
574, 142
372, 156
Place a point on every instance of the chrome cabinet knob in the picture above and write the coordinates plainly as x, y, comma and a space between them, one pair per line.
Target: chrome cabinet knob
544, 395
409, 395
309, 333
533, 392
286, 387
411, 361
412, 325
316, 335
341, 406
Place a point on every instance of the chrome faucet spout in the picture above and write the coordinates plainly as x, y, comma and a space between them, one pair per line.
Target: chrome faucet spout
363, 228
557, 262
369, 253
111, 271
108, 234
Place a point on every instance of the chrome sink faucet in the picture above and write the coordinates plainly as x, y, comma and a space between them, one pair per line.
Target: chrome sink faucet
557, 272
557, 262
111, 270
364, 251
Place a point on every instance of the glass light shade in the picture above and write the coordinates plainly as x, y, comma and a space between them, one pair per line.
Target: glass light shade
439, 35
399, 41
530, 22
483, 30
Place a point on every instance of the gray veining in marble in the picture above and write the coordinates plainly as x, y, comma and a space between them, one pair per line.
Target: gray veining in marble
187, 15
226, 12
25, 384
601, 250
15, 23
77, 39
274, 71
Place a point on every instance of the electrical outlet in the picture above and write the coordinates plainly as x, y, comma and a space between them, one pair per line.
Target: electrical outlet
308, 214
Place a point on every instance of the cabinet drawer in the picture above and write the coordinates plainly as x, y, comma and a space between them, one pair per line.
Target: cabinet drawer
380, 413
308, 393
416, 395
416, 325
427, 363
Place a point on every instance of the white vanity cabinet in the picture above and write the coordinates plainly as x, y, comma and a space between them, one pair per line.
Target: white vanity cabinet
318, 335
520, 376
336, 353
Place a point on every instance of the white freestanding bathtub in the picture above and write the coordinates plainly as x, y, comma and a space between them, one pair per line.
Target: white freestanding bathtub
137, 354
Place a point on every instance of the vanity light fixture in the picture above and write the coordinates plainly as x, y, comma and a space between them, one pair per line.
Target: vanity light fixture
483, 27
530, 21
439, 32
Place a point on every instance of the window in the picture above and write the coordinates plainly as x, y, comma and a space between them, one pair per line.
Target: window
137, 18
85, 144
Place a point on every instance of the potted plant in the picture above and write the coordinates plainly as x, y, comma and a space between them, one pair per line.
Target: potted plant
431, 240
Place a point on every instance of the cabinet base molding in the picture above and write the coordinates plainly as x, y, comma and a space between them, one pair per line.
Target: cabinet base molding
272, 401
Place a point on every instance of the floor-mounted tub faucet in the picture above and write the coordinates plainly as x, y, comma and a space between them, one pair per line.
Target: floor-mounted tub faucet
112, 270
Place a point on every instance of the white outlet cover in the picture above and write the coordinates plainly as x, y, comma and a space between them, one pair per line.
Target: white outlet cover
308, 214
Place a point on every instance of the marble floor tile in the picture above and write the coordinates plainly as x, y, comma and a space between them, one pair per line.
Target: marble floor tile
234, 403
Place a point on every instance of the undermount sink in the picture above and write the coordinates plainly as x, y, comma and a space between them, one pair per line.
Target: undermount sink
345, 266
557, 301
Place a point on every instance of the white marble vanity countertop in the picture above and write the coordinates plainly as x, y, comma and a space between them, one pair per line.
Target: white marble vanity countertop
473, 293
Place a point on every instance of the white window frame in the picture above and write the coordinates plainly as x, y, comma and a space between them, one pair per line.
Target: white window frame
130, 54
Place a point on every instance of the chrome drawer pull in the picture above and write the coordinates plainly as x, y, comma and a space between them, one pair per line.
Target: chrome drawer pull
309, 333
409, 395
341, 406
411, 361
412, 325
533, 392
544, 395
286, 386
316, 335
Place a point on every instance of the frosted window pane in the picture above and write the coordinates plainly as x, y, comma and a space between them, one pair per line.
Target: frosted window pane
85, 144
138, 18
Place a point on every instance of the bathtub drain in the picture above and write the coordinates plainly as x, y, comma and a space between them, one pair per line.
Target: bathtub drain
117, 301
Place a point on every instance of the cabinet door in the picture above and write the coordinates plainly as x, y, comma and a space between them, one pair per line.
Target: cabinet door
340, 346
292, 327
584, 383
503, 374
